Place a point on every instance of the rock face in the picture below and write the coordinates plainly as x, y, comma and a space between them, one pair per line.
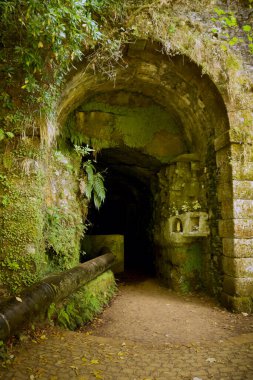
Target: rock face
172, 137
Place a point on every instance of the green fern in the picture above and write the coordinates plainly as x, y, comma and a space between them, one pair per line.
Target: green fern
98, 190
98, 186
82, 306
88, 189
63, 318
94, 181
90, 169
51, 311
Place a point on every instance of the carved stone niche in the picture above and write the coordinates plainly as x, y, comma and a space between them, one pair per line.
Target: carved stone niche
190, 224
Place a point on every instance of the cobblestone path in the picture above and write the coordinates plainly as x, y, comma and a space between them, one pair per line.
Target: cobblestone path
149, 333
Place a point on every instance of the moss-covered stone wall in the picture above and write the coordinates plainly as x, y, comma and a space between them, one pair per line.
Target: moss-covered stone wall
42, 212
128, 119
22, 214
66, 209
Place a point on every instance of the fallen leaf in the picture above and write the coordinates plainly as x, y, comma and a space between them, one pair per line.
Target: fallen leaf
43, 337
98, 374
19, 300
196, 378
245, 314
94, 361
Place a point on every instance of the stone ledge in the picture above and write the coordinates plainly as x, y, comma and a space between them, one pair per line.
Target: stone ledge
226, 139
240, 248
239, 287
236, 267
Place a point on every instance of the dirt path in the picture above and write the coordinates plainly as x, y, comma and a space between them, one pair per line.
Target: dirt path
147, 312
148, 333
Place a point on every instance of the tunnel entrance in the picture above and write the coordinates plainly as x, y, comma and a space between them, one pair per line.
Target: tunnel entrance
128, 208
154, 132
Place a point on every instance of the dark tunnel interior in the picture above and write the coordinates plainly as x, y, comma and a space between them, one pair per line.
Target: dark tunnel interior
127, 210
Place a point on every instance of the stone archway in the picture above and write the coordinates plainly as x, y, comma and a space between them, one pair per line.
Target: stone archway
192, 152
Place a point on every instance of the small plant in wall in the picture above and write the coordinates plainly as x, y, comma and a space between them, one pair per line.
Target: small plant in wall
187, 206
92, 183
230, 29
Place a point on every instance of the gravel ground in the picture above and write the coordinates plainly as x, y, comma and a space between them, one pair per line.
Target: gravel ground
148, 333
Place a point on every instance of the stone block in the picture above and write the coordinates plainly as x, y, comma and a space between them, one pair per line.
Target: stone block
138, 45
236, 267
227, 209
147, 71
231, 136
243, 189
243, 209
236, 228
238, 209
240, 119
223, 157
242, 152
239, 248
237, 304
242, 287
224, 190
222, 141
224, 174
242, 171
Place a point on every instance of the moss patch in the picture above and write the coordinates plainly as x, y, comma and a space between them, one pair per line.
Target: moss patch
85, 304
64, 212
22, 217
150, 128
